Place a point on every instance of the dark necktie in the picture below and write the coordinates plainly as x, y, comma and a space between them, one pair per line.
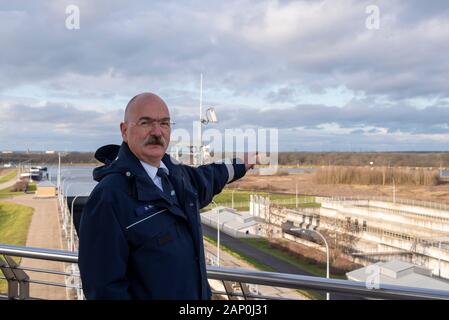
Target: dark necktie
167, 187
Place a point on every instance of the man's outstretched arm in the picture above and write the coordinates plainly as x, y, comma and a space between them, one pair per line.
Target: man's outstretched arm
210, 179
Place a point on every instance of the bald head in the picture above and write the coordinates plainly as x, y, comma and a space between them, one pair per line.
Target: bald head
143, 100
146, 127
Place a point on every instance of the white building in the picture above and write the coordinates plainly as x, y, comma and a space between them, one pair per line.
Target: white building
398, 273
231, 222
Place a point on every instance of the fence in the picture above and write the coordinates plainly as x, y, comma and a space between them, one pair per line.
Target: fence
18, 281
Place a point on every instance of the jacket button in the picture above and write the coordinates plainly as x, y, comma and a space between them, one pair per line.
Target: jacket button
128, 174
191, 204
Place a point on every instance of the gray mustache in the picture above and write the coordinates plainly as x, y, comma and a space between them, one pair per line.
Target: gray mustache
154, 140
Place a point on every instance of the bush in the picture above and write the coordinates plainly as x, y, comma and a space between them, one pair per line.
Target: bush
377, 176
314, 257
20, 186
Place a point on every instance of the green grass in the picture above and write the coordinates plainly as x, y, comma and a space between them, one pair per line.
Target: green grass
32, 187
255, 263
315, 269
225, 197
15, 220
8, 176
6, 193
258, 265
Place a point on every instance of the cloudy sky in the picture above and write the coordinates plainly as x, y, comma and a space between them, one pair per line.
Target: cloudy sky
326, 74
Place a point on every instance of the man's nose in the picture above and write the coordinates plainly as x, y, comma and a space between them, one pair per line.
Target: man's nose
156, 130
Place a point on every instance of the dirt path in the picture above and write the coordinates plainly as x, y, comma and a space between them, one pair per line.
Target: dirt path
44, 232
306, 185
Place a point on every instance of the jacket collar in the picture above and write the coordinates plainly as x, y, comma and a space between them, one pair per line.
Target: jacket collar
130, 165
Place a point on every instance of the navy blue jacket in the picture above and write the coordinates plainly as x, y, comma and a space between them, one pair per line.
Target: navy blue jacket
135, 243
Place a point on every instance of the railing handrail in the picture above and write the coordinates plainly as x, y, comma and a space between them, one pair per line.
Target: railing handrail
261, 278
323, 284
39, 253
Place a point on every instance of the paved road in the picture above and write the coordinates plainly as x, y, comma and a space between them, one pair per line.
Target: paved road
44, 232
277, 264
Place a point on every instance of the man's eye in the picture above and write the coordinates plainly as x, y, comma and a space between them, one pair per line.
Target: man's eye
143, 123
165, 123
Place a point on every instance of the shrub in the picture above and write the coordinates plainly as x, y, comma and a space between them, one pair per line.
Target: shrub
377, 176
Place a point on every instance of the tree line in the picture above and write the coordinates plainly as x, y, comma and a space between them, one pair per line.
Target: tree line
378, 159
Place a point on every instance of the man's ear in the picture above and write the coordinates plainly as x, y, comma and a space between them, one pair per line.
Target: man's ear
124, 130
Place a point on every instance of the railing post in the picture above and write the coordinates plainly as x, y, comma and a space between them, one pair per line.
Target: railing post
21, 277
229, 290
13, 284
245, 291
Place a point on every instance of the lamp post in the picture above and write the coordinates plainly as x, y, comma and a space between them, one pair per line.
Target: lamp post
62, 204
296, 195
439, 259
62, 185
302, 230
65, 215
218, 232
232, 196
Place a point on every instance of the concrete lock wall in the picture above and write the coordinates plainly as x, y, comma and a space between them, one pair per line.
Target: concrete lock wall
424, 254
398, 216
259, 206
395, 231
428, 225
430, 212
401, 226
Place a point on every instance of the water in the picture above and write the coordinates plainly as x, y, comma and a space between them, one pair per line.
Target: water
75, 181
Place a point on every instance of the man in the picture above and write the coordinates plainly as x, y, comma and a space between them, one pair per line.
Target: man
140, 231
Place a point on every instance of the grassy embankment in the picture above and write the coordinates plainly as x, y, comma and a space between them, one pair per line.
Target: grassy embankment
15, 220
8, 176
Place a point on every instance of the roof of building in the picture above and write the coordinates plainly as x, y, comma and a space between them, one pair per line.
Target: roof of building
230, 218
400, 273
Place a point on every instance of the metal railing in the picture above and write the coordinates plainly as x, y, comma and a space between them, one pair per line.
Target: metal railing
18, 281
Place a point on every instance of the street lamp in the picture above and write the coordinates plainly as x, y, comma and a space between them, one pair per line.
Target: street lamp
302, 230
62, 185
61, 192
218, 232
232, 197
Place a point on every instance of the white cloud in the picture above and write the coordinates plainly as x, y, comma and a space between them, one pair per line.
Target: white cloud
270, 55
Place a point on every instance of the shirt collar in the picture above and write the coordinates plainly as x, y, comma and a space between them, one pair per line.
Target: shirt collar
152, 170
